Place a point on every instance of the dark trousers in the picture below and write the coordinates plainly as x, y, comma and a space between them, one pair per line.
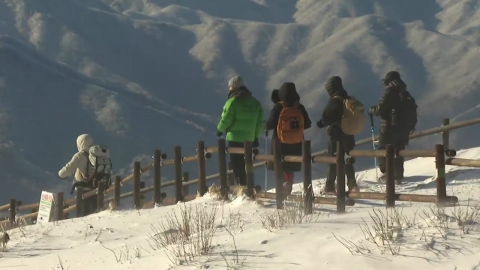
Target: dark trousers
238, 164
332, 168
398, 140
90, 205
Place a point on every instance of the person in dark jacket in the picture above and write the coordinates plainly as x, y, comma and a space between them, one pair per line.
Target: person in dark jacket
331, 118
288, 94
391, 132
275, 99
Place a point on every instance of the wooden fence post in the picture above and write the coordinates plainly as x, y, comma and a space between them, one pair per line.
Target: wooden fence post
66, 215
202, 185
340, 177
441, 181
118, 187
446, 134
13, 211
79, 202
307, 177
59, 206
178, 174
279, 176
186, 178
157, 175
248, 154
222, 166
390, 171
136, 185
100, 195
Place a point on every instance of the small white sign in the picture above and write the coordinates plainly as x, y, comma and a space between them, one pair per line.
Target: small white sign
45, 208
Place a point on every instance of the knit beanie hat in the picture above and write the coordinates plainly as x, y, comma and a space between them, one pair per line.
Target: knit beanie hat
235, 83
391, 76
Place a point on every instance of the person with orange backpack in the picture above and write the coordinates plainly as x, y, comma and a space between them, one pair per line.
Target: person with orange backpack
344, 117
288, 119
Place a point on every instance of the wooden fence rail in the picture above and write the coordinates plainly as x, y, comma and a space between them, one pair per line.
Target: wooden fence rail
205, 153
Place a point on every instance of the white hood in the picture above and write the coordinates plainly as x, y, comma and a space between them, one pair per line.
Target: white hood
84, 142
79, 162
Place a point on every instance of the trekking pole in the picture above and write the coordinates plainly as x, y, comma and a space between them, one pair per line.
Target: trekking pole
266, 163
373, 144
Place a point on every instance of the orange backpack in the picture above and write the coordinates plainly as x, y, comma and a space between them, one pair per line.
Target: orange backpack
290, 125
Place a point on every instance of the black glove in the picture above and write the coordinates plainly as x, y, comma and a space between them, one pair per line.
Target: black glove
219, 134
320, 124
371, 110
255, 143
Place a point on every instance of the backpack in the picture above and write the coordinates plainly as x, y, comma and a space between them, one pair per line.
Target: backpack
99, 165
353, 119
290, 124
406, 114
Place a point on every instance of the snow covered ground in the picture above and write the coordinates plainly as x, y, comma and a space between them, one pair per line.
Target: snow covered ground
420, 236
139, 75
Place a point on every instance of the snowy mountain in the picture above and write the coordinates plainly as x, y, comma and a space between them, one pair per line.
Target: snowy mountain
245, 234
140, 75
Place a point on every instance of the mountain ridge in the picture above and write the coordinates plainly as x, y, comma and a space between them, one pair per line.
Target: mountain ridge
145, 75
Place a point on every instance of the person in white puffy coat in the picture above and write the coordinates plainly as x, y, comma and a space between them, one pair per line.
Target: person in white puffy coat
78, 165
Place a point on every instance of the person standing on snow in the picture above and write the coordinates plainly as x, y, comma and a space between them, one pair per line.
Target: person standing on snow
331, 118
241, 121
397, 110
275, 98
288, 119
78, 166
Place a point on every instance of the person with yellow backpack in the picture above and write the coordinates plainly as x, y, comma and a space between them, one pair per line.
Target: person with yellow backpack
344, 117
288, 119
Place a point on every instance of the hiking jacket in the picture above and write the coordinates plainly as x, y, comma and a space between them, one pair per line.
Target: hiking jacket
289, 95
333, 112
390, 100
332, 117
79, 162
242, 117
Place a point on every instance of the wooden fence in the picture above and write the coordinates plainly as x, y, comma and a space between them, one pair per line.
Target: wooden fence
112, 195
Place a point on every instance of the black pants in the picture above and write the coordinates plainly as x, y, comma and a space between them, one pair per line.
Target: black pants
332, 168
90, 205
238, 164
399, 140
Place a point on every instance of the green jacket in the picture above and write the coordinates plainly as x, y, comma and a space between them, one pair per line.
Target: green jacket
242, 117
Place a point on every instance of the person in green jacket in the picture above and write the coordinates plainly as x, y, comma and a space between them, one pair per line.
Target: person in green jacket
242, 120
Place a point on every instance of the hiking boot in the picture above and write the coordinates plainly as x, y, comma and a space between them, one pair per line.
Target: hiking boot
354, 189
288, 183
287, 188
329, 191
382, 178
398, 179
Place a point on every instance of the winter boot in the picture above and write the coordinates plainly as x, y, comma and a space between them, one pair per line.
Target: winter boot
354, 189
287, 188
398, 179
382, 178
288, 183
329, 191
